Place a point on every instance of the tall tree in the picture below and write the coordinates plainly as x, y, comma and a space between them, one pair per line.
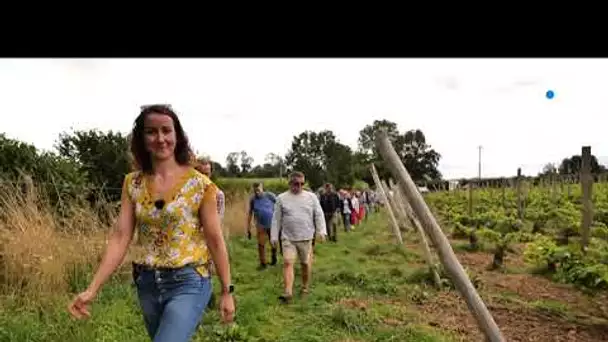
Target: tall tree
339, 162
420, 159
368, 152
246, 163
321, 158
274, 166
367, 136
277, 162
548, 169
232, 164
361, 163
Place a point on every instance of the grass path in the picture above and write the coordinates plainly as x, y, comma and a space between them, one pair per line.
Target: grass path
364, 288
364, 267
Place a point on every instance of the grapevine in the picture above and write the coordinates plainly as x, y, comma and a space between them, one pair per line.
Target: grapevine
550, 228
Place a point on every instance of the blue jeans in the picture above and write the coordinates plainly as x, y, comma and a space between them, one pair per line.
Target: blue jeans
172, 301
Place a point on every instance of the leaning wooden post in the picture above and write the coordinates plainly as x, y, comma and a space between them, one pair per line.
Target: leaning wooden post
454, 269
402, 202
398, 211
383, 195
587, 188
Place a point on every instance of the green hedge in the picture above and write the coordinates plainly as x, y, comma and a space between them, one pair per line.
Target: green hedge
243, 185
360, 185
233, 186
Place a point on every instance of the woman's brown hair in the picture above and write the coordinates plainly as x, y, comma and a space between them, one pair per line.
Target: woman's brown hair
141, 157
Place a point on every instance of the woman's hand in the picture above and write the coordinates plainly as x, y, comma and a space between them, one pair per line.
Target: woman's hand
227, 308
114, 255
321, 237
79, 307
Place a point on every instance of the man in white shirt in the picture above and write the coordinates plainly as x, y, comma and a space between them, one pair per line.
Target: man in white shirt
297, 217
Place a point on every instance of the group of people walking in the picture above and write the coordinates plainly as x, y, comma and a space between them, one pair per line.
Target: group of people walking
292, 221
177, 211
352, 207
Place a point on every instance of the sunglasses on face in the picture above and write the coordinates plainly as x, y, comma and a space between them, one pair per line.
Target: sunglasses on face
297, 183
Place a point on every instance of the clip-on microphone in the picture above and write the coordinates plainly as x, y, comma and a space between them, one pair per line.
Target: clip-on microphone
159, 204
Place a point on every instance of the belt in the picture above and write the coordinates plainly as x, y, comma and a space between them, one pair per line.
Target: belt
142, 267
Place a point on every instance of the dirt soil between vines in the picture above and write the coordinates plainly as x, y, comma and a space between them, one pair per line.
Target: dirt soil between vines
526, 307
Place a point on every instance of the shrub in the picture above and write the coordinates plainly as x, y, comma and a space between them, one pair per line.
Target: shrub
60, 179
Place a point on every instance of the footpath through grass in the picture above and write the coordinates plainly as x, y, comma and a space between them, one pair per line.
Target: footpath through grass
361, 290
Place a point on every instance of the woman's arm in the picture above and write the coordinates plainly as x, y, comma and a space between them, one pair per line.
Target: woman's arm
117, 245
213, 235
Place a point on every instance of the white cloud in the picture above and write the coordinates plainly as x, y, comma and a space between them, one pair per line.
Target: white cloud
258, 105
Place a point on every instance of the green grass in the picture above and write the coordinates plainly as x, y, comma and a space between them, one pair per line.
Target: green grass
362, 290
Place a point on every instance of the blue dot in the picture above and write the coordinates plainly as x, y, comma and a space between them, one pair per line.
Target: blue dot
550, 94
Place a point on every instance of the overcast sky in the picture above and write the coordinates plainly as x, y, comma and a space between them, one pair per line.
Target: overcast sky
258, 105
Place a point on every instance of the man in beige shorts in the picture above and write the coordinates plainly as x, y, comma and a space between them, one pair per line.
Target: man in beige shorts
297, 217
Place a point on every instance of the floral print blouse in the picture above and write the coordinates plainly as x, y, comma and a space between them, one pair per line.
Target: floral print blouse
172, 236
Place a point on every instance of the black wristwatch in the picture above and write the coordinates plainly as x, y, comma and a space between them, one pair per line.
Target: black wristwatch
230, 289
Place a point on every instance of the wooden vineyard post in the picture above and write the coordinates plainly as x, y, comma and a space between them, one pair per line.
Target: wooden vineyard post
587, 188
451, 264
520, 204
402, 202
397, 210
384, 196
470, 198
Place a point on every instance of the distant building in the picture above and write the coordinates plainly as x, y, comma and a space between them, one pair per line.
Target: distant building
453, 185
